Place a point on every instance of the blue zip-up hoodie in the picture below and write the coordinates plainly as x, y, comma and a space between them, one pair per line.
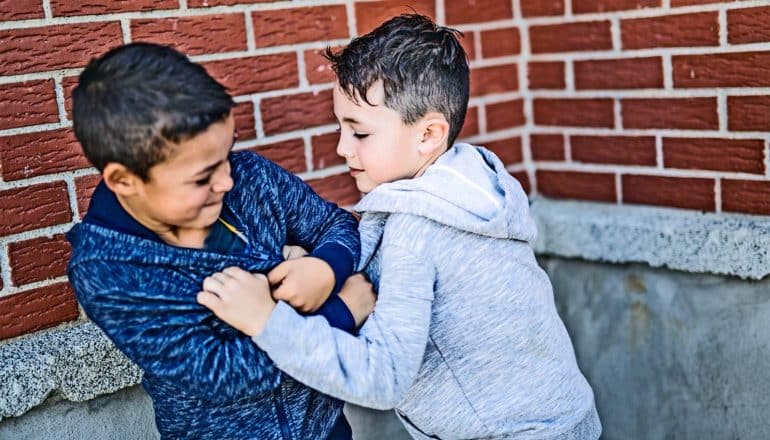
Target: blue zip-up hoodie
464, 341
206, 379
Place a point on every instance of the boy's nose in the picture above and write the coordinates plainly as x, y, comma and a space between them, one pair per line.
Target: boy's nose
223, 183
343, 150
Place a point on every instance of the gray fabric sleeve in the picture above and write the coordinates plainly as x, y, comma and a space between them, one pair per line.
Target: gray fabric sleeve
376, 368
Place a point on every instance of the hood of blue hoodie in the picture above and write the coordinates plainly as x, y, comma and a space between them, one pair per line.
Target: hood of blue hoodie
467, 188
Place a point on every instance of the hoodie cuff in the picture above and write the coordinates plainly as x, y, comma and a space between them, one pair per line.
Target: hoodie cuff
339, 258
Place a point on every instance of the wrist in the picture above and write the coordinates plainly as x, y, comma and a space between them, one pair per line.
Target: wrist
257, 326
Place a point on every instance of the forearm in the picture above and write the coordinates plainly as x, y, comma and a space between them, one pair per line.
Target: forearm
374, 369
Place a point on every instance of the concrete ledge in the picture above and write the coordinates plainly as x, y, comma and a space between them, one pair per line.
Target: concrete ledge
728, 244
78, 362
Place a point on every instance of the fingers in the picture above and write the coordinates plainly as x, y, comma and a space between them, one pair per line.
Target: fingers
277, 275
209, 300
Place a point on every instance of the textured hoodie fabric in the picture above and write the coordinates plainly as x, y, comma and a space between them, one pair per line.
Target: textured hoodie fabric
465, 340
206, 379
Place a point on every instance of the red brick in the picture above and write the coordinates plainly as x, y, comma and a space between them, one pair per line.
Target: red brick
471, 125
300, 25
546, 75
684, 30
20, 10
747, 69
325, 151
34, 154
369, 15
296, 112
503, 115
194, 35
245, 127
55, 47
620, 150
210, 3
468, 41
574, 112
589, 6
243, 76
535, 8
598, 187
508, 150
494, 79
629, 73
570, 37
340, 189
68, 85
500, 42
677, 113
746, 196
84, 187
523, 179
547, 146
33, 207
290, 155
28, 103
748, 113
69, 7
748, 25
37, 309
317, 68
747, 155
38, 259
676, 192
477, 11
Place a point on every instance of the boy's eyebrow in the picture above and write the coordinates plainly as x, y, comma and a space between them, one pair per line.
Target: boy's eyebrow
347, 119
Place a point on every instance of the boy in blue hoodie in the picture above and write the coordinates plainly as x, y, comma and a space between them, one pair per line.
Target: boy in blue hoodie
175, 204
464, 341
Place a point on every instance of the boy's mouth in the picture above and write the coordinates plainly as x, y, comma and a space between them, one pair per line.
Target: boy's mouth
355, 171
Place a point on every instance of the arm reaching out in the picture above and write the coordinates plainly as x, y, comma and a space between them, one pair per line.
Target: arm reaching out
374, 369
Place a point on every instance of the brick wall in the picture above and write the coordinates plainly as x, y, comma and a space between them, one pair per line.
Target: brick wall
660, 102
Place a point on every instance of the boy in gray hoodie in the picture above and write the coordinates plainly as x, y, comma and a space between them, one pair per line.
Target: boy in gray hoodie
464, 341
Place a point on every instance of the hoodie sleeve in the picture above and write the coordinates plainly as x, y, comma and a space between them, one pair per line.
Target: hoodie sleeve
327, 231
170, 336
376, 368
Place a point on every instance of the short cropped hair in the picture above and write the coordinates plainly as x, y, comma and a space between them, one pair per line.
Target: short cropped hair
132, 104
422, 66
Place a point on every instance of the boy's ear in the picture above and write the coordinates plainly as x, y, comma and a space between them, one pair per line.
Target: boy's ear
120, 179
435, 133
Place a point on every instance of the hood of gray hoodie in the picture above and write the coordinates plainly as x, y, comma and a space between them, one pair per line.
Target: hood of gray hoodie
467, 188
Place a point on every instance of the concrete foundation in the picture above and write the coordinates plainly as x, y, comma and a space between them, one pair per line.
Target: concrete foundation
670, 355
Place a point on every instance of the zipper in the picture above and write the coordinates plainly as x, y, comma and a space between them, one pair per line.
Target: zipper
283, 420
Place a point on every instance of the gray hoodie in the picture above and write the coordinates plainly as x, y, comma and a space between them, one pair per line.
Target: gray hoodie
464, 341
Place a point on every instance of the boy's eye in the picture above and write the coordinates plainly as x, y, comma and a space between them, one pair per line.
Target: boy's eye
204, 181
360, 135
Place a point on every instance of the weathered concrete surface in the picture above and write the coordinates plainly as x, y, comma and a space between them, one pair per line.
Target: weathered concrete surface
670, 355
728, 244
128, 415
125, 415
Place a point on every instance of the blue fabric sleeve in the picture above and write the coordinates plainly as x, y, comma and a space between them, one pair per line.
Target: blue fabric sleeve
326, 230
337, 314
169, 335
339, 258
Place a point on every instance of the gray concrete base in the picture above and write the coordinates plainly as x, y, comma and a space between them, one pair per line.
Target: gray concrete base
128, 415
124, 415
670, 355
